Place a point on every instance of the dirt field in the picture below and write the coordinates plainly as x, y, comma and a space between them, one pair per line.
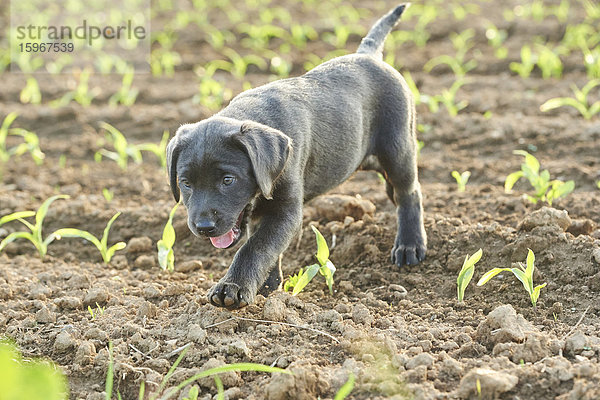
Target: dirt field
401, 331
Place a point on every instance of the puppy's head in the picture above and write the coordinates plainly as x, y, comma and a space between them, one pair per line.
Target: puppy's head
218, 166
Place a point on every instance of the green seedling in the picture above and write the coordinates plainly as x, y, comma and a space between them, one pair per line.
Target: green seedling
98, 312
461, 179
580, 102
31, 141
548, 62
101, 244
81, 94
123, 150
466, 273
174, 390
528, 61
447, 98
346, 388
496, 38
29, 379
108, 195
31, 93
524, 274
598, 184
126, 94
35, 230
462, 43
545, 189
166, 256
324, 266
159, 150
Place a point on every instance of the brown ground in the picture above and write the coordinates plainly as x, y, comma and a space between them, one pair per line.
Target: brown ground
401, 331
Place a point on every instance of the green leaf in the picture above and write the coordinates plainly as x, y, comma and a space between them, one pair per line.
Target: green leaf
43, 210
305, 278
466, 273
327, 271
110, 252
222, 369
77, 233
166, 257
523, 278
16, 215
511, 179
490, 274
14, 236
564, 101
104, 240
346, 388
530, 262
322, 249
536, 293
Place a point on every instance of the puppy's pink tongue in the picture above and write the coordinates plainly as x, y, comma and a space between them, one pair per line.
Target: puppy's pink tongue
224, 241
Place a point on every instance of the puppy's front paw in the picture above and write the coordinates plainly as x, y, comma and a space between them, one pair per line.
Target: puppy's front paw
408, 254
230, 295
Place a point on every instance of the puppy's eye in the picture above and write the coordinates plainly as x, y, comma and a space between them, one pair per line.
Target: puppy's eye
185, 183
228, 180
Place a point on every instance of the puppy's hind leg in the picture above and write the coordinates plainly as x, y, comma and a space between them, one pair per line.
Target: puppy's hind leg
398, 157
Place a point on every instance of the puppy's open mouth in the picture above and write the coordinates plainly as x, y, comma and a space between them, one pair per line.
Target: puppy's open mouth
230, 238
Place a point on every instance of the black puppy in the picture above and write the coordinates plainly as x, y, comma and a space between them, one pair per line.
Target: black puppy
278, 145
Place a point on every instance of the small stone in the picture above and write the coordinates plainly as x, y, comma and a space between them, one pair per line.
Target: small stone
96, 295
492, 383
581, 227
85, 354
575, 343
145, 261
68, 302
239, 348
139, 245
45, 316
146, 310
96, 334
503, 324
274, 309
425, 359
596, 255
544, 217
336, 207
362, 315
188, 266
152, 292
329, 316
64, 342
196, 334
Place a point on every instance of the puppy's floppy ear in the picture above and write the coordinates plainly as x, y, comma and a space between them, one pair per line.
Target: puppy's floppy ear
268, 149
173, 150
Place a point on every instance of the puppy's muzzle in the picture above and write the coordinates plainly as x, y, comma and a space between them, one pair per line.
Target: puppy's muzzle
205, 227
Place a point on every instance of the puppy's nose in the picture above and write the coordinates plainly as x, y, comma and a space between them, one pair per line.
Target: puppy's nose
205, 227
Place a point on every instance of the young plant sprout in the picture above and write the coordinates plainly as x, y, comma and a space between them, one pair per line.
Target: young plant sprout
166, 257
31, 92
123, 150
545, 189
101, 245
579, 102
524, 274
31, 141
126, 94
35, 230
461, 179
528, 60
159, 150
324, 266
466, 273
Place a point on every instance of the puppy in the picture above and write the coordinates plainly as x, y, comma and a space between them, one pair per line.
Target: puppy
278, 145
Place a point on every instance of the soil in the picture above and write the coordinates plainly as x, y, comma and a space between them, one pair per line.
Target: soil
401, 331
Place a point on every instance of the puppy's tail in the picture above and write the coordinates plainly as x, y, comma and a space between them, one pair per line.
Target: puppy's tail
372, 44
